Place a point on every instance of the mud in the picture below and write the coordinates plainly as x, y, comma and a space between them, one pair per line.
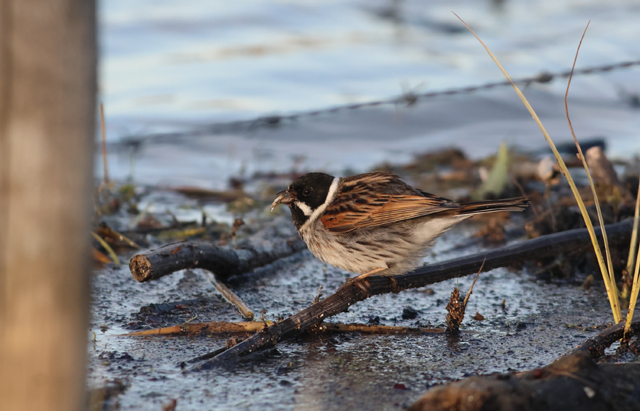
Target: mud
527, 324
177, 68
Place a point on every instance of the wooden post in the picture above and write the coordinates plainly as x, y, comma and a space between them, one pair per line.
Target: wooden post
47, 120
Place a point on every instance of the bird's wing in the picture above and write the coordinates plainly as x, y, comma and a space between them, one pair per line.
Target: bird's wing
374, 199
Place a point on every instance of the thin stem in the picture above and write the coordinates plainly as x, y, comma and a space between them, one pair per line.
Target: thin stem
613, 298
586, 169
634, 235
636, 283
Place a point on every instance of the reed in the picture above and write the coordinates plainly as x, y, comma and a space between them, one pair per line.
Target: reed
633, 255
607, 277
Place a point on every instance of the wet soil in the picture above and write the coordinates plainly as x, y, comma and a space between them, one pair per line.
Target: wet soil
173, 68
527, 324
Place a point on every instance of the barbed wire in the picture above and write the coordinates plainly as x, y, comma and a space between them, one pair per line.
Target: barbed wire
406, 99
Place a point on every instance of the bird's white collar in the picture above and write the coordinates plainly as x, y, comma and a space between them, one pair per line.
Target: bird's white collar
331, 195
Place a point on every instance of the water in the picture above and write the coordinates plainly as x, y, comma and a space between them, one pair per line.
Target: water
168, 66
167, 61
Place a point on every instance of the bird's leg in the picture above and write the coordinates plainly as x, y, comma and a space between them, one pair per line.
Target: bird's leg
377, 270
362, 277
372, 272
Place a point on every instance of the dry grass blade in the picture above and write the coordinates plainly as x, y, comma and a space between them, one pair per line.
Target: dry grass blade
613, 298
126, 239
586, 169
636, 281
634, 235
466, 298
214, 327
107, 247
100, 257
231, 297
134, 223
221, 327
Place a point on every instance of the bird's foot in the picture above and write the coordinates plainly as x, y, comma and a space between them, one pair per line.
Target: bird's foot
358, 280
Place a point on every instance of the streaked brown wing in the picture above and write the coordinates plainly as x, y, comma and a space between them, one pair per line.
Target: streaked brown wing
374, 199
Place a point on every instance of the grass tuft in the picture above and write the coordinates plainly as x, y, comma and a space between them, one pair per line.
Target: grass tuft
633, 255
609, 281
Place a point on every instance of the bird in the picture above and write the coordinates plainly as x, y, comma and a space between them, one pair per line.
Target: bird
374, 223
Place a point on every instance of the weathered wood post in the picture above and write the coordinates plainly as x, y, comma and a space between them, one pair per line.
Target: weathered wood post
47, 113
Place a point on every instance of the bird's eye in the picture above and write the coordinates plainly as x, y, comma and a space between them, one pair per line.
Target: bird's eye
307, 191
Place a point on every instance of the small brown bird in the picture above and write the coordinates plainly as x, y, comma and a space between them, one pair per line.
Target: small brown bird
374, 223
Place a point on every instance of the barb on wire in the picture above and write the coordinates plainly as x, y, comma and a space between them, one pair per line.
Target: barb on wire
408, 99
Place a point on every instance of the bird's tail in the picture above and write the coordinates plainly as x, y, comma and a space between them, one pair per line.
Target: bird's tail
492, 206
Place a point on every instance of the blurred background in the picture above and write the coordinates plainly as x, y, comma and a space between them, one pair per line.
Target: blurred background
183, 83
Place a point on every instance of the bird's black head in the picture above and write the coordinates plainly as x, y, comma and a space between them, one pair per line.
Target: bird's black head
305, 195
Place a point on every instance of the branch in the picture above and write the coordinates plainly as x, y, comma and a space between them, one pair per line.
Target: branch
222, 261
572, 382
352, 292
222, 327
595, 346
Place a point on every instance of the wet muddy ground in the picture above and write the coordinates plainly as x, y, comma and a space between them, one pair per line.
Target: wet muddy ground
172, 68
528, 323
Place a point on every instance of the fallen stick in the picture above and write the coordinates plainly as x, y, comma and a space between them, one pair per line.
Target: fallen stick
214, 327
223, 327
573, 382
595, 346
222, 261
232, 298
351, 293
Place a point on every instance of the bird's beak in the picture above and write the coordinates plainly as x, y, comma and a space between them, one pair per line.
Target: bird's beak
283, 197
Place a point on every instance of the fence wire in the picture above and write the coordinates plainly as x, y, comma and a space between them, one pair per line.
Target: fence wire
405, 99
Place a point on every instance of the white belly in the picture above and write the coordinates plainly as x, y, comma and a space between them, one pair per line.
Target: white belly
399, 247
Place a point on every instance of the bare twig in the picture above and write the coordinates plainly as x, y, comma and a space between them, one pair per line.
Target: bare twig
221, 327
466, 298
597, 345
214, 327
232, 298
457, 308
571, 383
609, 268
107, 247
222, 261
